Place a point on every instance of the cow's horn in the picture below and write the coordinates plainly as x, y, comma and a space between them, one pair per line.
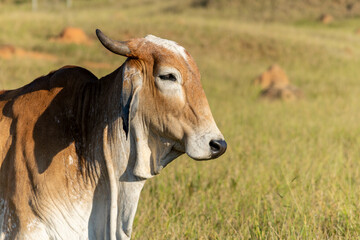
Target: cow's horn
117, 47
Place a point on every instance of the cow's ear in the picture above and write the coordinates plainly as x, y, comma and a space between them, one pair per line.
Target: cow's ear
131, 85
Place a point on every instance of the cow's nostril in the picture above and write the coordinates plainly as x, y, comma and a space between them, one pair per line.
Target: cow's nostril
215, 146
218, 147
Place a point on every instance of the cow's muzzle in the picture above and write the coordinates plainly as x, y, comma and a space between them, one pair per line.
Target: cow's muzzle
218, 147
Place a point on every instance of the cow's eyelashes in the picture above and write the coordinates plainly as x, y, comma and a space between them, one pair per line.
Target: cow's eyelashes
168, 77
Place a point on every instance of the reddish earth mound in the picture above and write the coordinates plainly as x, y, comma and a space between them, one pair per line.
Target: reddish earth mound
286, 93
326, 18
9, 51
73, 35
275, 85
273, 77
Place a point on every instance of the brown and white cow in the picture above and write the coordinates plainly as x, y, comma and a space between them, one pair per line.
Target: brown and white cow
75, 150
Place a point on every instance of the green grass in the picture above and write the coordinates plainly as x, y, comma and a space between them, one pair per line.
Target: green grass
292, 170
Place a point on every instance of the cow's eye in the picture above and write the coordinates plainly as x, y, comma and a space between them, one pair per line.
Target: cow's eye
168, 77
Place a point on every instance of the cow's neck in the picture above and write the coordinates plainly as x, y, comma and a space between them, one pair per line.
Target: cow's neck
99, 111
128, 160
121, 152
107, 142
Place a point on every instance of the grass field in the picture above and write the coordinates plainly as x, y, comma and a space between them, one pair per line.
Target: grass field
292, 169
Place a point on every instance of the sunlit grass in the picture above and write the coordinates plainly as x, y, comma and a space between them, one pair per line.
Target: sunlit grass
291, 170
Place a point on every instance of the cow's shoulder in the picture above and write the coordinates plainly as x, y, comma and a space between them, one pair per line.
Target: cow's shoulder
54, 93
71, 75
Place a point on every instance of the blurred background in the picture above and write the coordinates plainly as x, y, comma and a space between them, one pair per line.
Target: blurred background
282, 80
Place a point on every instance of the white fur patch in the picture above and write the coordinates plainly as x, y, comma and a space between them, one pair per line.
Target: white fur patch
197, 143
71, 160
168, 44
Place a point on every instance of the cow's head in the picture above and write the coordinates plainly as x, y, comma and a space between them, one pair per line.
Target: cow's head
162, 95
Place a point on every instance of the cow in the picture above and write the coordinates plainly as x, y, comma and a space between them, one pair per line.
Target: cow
75, 150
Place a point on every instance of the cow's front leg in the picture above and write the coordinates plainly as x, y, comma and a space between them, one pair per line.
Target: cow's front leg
128, 197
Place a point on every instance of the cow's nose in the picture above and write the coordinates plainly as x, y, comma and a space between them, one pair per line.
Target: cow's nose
218, 147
